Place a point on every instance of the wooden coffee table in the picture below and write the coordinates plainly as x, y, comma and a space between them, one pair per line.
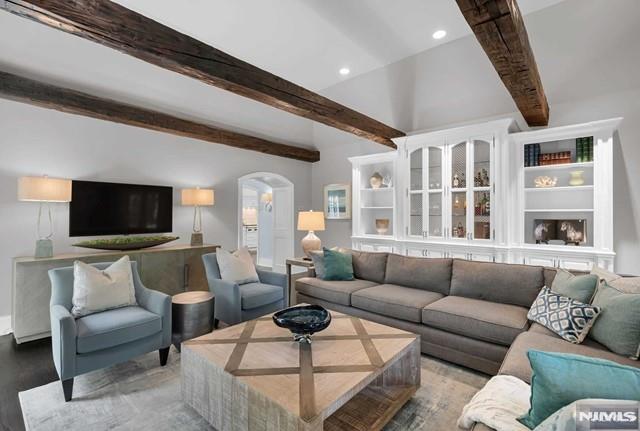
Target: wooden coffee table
355, 375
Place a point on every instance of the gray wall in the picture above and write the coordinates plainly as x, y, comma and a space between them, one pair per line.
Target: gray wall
588, 55
37, 141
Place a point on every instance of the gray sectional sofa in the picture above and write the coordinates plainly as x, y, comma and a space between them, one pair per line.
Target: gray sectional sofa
469, 313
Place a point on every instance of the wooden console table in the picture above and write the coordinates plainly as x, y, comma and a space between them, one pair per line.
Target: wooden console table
168, 269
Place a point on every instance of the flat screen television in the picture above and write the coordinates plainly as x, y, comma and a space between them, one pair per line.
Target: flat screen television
98, 208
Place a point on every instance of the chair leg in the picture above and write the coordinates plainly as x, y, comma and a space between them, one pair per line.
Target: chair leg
164, 355
67, 388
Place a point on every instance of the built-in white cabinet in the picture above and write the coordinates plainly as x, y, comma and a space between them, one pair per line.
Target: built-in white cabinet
450, 189
563, 195
485, 192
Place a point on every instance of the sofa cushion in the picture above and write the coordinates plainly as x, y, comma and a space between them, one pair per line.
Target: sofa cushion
419, 273
474, 318
115, 327
254, 295
369, 266
497, 282
391, 300
516, 362
338, 292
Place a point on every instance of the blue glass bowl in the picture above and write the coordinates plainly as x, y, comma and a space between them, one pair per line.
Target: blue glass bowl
303, 321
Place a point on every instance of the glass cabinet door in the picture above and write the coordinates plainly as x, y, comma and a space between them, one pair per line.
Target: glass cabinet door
481, 190
416, 196
458, 185
435, 191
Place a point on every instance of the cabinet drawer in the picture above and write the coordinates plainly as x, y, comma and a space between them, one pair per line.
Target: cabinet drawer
482, 257
575, 264
540, 261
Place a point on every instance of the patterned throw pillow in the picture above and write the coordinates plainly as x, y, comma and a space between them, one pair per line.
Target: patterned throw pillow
567, 317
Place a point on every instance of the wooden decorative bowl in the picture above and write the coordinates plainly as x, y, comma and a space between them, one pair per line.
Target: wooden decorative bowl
126, 243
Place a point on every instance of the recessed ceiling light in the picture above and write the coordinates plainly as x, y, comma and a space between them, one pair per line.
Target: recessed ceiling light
344, 71
439, 34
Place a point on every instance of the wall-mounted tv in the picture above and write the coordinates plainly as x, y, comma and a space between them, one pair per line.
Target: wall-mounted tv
98, 208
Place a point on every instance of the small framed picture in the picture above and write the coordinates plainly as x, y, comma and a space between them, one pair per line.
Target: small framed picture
337, 201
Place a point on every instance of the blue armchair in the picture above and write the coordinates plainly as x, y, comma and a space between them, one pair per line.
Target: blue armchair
237, 303
109, 337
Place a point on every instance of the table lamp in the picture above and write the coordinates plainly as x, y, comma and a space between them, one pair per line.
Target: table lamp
311, 221
197, 198
44, 190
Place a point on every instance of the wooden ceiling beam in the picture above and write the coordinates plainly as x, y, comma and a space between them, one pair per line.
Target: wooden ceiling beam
499, 28
113, 25
20, 89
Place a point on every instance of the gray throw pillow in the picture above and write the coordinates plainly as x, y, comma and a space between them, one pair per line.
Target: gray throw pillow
578, 287
567, 317
317, 257
618, 327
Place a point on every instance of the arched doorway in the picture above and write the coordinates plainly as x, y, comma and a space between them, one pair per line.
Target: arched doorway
266, 218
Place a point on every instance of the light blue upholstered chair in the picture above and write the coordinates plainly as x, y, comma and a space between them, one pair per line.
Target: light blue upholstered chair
109, 337
237, 303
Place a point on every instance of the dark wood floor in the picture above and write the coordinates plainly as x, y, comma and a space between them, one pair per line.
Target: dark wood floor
22, 366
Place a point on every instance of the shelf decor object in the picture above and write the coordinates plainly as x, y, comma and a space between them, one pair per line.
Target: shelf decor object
125, 243
376, 180
44, 190
337, 201
545, 181
311, 221
577, 178
303, 321
382, 225
197, 198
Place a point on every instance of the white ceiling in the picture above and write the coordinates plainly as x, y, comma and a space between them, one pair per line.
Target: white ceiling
308, 41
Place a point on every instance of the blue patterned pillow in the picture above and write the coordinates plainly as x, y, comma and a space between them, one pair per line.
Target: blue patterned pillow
567, 317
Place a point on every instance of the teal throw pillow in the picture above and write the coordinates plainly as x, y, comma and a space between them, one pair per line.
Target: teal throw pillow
559, 379
578, 287
337, 266
618, 326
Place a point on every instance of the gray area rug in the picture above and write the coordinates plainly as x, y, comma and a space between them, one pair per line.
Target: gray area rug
141, 395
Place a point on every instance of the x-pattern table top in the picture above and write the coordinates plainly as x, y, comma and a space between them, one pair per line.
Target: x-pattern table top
306, 379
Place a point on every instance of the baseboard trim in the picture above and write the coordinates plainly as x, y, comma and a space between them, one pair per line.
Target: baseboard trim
5, 325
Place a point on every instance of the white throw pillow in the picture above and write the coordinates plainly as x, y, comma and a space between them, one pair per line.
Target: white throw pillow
237, 267
96, 290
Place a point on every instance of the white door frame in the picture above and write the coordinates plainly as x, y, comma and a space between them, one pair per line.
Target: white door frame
275, 181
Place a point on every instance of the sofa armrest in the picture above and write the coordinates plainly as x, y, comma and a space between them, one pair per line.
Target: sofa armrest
63, 341
228, 303
270, 277
158, 303
276, 279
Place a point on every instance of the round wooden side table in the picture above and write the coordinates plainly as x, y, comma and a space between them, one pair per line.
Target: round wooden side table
192, 315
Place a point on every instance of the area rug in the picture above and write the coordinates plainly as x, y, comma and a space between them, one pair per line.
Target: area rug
141, 395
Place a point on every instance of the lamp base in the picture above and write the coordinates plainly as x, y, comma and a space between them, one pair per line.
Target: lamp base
196, 238
44, 248
310, 243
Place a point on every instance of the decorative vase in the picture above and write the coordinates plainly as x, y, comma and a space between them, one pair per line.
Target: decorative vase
382, 225
577, 178
376, 180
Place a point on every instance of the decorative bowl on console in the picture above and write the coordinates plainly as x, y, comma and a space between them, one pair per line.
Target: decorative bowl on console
124, 243
303, 321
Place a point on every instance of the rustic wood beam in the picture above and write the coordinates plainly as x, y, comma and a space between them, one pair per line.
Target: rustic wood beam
499, 28
26, 90
115, 26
